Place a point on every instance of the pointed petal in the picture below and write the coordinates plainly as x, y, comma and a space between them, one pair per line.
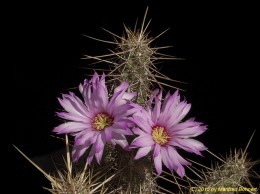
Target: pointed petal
138, 131
177, 161
157, 108
74, 104
122, 87
189, 145
125, 131
100, 143
158, 162
157, 150
77, 152
142, 152
181, 131
150, 101
142, 123
129, 96
70, 127
103, 95
87, 138
91, 154
108, 133
143, 141
179, 113
170, 102
166, 99
99, 156
73, 117
117, 98
166, 159
120, 140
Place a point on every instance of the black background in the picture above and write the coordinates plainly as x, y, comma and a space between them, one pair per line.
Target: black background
219, 42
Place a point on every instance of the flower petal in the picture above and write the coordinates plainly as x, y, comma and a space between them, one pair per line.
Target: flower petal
157, 150
129, 96
138, 131
157, 108
170, 102
123, 122
73, 117
91, 154
143, 141
70, 127
177, 161
125, 110
157, 160
99, 155
120, 140
78, 151
103, 93
72, 103
189, 145
185, 130
87, 138
141, 122
125, 131
117, 98
177, 114
108, 133
142, 152
166, 159
100, 142
150, 101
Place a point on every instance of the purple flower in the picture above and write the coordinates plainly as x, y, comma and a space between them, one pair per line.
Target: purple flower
160, 130
96, 120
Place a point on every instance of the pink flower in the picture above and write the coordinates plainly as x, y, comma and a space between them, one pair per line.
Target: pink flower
161, 130
96, 120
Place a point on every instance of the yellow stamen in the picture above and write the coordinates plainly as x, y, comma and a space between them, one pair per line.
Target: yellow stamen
101, 121
160, 135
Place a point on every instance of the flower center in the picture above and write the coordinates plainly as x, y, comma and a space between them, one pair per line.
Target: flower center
160, 135
101, 121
